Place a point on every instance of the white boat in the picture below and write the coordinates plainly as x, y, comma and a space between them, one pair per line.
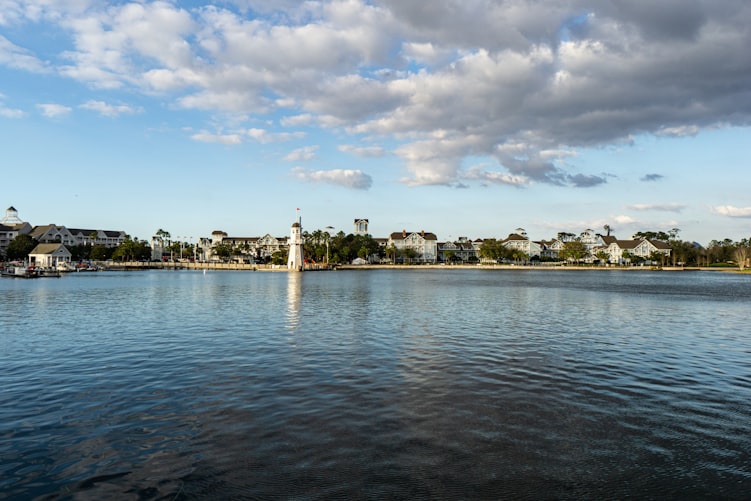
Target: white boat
20, 272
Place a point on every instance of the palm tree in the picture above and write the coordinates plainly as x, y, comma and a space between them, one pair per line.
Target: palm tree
164, 235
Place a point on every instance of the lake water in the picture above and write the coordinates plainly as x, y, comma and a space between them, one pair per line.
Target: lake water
385, 384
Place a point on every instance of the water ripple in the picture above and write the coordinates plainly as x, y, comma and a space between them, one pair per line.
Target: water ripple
372, 385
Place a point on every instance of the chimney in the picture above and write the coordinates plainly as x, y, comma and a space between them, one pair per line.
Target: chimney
422, 233
404, 233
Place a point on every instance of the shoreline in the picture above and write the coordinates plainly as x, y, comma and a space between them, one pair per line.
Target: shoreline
132, 266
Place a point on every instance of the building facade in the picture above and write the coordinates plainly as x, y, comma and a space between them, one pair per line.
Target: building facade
423, 245
10, 227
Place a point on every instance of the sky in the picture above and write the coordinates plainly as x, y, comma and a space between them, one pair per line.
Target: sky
458, 117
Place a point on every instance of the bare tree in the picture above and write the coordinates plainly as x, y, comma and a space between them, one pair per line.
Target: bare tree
741, 255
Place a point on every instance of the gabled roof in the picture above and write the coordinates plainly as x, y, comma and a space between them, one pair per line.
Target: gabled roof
38, 231
659, 244
15, 227
627, 244
401, 235
47, 249
84, 232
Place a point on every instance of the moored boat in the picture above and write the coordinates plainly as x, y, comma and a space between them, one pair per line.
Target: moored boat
20, 272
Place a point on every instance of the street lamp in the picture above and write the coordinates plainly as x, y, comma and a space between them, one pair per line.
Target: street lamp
328, 233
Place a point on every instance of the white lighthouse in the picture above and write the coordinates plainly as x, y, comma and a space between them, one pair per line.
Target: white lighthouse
294, 261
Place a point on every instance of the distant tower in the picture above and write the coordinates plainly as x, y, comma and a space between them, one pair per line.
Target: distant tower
11, 216
361, 227
294, 261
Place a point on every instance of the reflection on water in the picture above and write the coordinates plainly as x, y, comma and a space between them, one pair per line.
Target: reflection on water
294, 299
389, 384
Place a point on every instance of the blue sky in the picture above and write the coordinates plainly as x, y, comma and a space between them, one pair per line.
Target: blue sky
464, 117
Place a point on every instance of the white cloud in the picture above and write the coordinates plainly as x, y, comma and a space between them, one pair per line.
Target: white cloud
297, 120
551, 75
679, 131
302, 154
364, 151
731, 211
206, 137
109, 110
624, 220
263, 136
19, 58
427, 53
657, 207
355, 179
52, 110
477, 173
10, 113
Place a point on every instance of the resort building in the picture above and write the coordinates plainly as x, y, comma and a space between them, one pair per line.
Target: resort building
520, 241
247, 249
10, 227
108, 238
619, 251
462, 250
422, 245
591, 240
52, 233
550, 249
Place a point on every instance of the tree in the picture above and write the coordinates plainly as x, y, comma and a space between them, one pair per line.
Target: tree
603, 256
345, 248
607, 229
721, 251
685, 253
494, 250
100, 253
741, 255
627, 256
519, 255
657, 257
391, 252
132, 250
653, 235
574, 251
80, 252
174, 249
20, 247
408, 253
222, 250
164, 235
279, 257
